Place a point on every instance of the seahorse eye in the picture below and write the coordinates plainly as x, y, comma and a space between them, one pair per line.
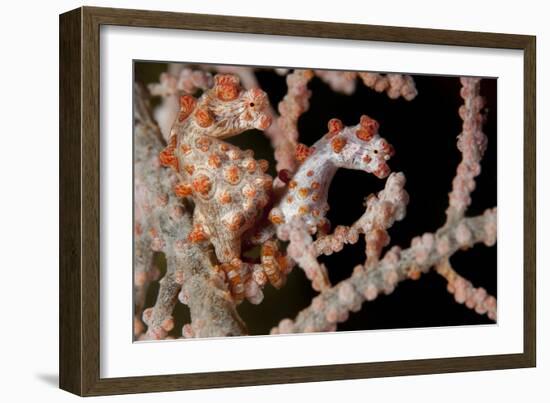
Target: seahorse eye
251, 104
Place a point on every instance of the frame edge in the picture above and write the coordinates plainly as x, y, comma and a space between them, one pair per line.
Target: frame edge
70, 314
303, 28
530, 200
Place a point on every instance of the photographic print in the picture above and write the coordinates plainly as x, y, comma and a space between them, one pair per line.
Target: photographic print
280, 200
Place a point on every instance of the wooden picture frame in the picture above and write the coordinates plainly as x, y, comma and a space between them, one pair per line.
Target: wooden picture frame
80, 184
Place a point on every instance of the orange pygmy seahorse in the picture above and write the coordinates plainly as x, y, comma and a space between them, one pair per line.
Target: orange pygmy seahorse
227, 185
357, 147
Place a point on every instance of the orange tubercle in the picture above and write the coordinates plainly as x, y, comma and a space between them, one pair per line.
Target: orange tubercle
338, 144
275, 218
387, 148
227, 92
364, 134
369, 125
302, 152
264, 122
227, 87
187, 104
303, 193
251, 166
225, 198
382, 171
202, 185
226, 79
232, 174
183, 190
203, 143
249, 191
203, 117
197, 234
167, 157
334, 127
214, 160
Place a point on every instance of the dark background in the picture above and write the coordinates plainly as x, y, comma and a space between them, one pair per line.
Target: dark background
423, 132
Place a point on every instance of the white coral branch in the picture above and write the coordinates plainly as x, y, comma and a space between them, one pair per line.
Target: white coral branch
394, 85
472, 143
333, 305
382, 210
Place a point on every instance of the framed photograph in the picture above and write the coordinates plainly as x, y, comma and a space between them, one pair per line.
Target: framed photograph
250, 201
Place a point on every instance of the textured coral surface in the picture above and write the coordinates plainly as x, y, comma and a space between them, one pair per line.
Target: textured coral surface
216, 226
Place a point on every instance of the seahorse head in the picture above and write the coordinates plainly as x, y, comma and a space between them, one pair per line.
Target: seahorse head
227, 110
360, 147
